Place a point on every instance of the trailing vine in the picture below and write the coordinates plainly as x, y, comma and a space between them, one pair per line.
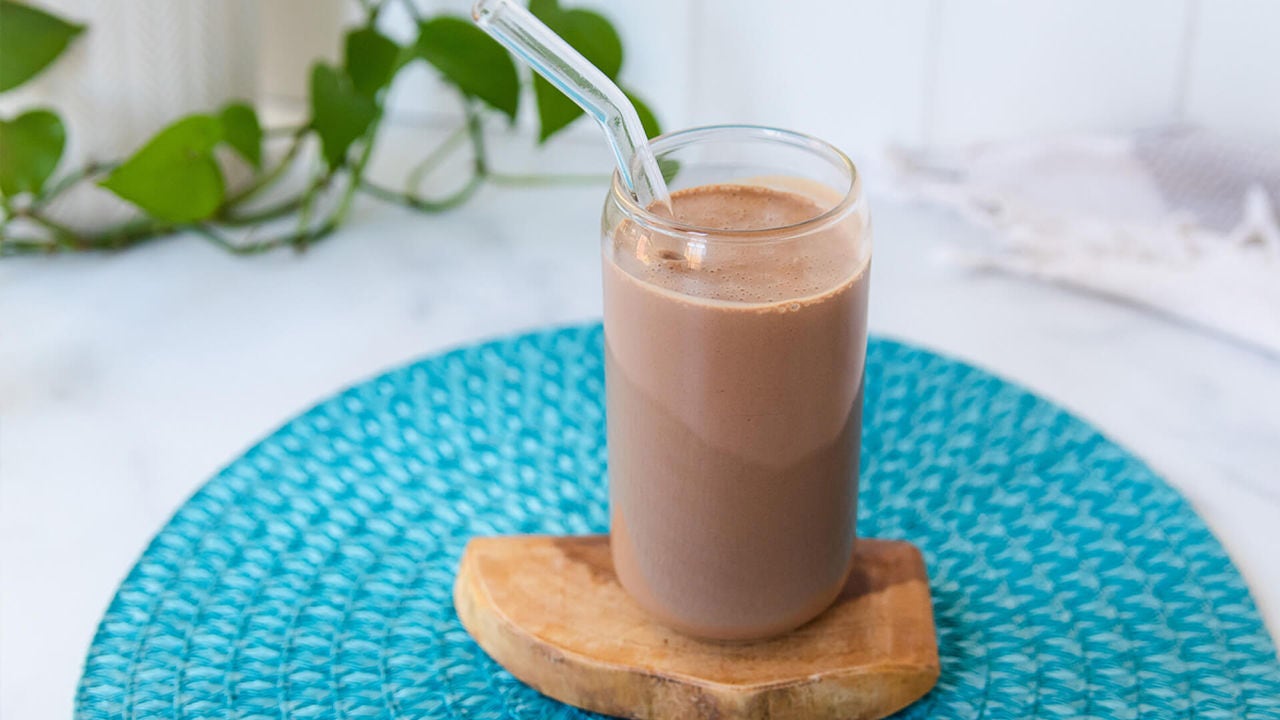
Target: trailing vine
177, 179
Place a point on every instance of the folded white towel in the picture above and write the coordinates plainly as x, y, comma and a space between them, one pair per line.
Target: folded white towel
1177, 220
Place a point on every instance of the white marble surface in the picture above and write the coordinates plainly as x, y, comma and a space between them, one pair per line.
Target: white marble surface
126, 381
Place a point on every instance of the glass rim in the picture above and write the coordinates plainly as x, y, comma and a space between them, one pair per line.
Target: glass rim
850, 194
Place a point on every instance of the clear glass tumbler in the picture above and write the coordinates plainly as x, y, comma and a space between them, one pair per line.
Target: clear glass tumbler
735, 345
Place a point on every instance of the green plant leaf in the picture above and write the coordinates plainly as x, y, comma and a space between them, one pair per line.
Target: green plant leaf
543, 9
339, 113
471, 60
174, 177
555, 111
30, 39
240, 130
650, 122
370, 59
30, 147
669, 167
590, 34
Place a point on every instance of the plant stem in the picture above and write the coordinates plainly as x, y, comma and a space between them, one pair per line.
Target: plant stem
475, 130
280, 209
64, 236
270, 212
415, 202
283, 130
308, 201
535, 180
266, 180
66, 239
257, 248
434, 158
59, 238
307, 235
65, 183
357, 176
10, 246
127, 235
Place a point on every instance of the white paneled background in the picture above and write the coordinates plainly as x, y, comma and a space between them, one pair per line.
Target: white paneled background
864, 73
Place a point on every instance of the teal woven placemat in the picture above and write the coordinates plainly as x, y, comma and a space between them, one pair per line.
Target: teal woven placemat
312, 577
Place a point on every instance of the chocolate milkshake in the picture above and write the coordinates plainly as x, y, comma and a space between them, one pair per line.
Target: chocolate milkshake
735, 358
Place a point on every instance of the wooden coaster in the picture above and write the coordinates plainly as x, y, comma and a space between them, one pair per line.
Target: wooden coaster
551, 611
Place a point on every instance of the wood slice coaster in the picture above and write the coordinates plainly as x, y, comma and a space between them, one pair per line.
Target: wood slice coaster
551, 611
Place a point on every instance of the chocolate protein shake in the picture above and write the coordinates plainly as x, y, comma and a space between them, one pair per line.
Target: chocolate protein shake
734, 385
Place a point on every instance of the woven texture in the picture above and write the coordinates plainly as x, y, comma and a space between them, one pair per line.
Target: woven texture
312, 577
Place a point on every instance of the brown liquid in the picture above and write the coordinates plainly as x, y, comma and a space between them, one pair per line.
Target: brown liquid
734, 392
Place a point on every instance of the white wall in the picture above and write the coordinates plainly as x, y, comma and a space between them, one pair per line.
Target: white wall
867, 72
1233, 79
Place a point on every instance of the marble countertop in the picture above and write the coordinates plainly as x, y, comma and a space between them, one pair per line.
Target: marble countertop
127, 380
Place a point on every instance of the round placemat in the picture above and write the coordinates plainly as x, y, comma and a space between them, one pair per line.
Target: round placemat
312, 577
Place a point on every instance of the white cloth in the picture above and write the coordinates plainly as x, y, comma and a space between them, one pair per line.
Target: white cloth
1176, 220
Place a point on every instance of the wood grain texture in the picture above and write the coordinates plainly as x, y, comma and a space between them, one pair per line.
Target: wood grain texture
550, 610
